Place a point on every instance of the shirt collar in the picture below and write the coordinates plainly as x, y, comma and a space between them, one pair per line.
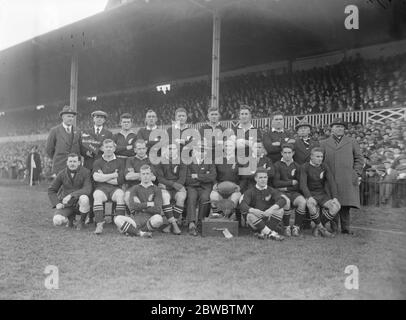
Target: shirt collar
127, 133
66, 127
147, 186
274, 130
114, 158
151, 128
226, 156
312, 164
240, 127
288, 164
213, 126
177, 126
136, 156
98, 127
264, 188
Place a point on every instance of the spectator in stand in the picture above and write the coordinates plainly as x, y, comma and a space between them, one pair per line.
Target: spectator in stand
352, 84
33, 165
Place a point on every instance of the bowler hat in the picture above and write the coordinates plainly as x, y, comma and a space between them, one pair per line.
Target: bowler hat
338, 121
303, 123
99, 113
67, 109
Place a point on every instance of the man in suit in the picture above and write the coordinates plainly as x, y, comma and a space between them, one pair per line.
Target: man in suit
276, 136
304, 144
70, 192
343, 156
63, 139
92, 139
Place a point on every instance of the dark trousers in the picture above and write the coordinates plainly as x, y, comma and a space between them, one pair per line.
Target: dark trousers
344, 217
197, 197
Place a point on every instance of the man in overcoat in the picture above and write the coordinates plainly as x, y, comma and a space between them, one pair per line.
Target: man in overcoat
63, 139
344, 158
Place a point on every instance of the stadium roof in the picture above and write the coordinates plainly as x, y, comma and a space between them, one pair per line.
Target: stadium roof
147, 42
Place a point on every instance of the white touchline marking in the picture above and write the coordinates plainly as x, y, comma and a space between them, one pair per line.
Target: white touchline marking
381, 230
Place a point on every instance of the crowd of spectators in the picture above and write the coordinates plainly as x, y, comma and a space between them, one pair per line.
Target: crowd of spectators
352, 84
13, 159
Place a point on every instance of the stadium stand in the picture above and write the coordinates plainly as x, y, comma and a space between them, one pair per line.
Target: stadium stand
353, 84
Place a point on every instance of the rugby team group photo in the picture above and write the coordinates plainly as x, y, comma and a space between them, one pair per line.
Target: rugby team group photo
202, 150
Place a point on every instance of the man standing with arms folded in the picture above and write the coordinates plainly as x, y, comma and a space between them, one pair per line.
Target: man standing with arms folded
214, 130
144, 133
343, 156
125, 139
276, 136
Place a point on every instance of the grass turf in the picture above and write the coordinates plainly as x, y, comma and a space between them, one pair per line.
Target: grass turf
112, 266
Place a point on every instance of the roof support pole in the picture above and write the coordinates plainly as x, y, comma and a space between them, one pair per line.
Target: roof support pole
74, 69
215, 70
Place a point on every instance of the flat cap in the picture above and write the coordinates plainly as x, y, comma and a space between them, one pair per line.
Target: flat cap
99, 113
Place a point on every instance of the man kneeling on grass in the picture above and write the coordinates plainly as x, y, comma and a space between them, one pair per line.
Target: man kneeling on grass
69, 193
145, 202
315, 178
264, 207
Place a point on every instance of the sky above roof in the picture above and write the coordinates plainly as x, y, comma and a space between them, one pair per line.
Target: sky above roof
21, 20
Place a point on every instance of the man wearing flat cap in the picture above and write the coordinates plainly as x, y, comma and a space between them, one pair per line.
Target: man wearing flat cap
63, 140
343, 156
304, 144
92, 139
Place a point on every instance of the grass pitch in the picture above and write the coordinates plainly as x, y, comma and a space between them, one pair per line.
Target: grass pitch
112, 266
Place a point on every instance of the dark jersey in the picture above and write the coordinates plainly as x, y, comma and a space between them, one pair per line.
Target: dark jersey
146, 194
206, 174
317, 180
284, 175
261, 199
123, 142
136, 163
270, 137
107, 167
169, 173
227, 171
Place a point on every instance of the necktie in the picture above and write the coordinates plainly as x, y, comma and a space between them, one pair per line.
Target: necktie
68, 129
97, 131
